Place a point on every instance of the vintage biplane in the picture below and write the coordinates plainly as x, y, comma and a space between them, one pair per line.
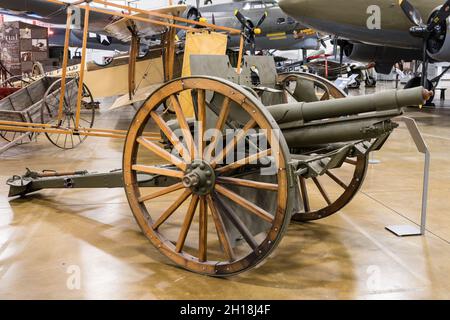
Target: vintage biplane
239, 158
100, 81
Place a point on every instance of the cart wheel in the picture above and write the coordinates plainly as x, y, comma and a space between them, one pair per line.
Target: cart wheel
50, 107
326, 195
242, 211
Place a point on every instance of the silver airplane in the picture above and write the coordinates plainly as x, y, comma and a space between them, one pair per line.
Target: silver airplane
382, 31
278, 30
386, 41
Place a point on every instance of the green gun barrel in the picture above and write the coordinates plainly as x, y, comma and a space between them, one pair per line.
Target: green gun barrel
382, 101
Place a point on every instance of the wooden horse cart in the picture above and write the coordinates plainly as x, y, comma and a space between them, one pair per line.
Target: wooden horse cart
235, 173
37, 103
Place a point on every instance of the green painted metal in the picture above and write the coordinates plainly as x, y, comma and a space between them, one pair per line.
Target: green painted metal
382, 101
33, 181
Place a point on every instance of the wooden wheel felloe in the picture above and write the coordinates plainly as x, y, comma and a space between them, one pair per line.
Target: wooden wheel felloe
326, 195
218, 217
50, 108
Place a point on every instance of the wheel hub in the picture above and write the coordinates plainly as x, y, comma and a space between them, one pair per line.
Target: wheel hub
199, 177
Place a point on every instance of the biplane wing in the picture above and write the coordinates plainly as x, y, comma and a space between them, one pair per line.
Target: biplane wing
55, 13
121, 28
50, 12
139, 96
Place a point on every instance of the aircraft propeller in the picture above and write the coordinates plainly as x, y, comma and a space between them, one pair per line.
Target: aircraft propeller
431, 33
195, 14
249, 29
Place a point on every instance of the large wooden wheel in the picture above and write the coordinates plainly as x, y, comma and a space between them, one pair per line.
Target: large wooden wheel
219, 217
326, 195
50, 108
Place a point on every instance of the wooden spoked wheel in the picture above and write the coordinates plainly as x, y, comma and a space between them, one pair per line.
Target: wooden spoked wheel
50, 108
218, 218
330, 193
326, 195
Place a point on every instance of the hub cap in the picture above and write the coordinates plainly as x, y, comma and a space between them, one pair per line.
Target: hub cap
199, 177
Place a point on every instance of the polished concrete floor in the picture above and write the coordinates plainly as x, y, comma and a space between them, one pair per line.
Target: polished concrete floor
85, 244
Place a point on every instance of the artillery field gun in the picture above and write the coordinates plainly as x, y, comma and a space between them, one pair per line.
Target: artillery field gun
244, 152
236, 171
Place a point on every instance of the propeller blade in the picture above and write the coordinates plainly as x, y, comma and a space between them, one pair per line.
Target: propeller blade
213, 19
442, 15
261, 21
411, 12
241, 18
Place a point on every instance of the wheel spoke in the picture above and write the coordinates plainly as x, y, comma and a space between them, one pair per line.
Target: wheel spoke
161, 192
349, 161
336, 179
237, 222
240, 163
304, 191
178, 145
82, 119
71, 139
201, 98
57, 139
158, 171
220, 228
259, 212
184, 126
231, 146
322, 190
153, 147
187, 223
203, 231
65, 141
171, 209
220, 124
248, 183
325, 96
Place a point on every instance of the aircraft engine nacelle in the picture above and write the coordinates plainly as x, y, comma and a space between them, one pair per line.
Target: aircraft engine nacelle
384, 57
439, 42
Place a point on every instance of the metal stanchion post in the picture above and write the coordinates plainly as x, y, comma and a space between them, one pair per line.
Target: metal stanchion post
408, 230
